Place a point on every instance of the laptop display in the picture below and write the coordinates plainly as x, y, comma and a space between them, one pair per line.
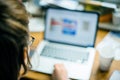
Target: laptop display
71, 27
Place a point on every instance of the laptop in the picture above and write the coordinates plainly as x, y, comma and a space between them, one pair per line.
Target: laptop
69, 38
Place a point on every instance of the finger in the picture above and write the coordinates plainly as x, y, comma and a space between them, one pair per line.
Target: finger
58, 65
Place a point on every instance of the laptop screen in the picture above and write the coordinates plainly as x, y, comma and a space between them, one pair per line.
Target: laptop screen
71, 27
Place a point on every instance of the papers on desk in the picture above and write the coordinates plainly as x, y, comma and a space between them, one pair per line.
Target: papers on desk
111, 39
115, 75
36, 24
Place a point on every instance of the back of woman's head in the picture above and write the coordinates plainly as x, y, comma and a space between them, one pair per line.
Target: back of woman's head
13, 38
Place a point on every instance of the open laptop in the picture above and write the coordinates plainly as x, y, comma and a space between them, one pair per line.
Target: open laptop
69, 38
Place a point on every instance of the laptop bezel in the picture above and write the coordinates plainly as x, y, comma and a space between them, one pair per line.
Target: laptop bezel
45, 20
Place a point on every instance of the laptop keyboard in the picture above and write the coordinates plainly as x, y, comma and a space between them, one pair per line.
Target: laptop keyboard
65, 54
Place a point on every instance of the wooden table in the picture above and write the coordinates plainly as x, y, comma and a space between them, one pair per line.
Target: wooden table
96, 73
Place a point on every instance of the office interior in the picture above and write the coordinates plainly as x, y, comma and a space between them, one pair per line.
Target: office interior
108, 22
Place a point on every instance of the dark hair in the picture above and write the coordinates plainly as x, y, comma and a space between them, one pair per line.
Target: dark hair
13, 38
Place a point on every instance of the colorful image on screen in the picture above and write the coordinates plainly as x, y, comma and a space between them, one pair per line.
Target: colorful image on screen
69, 26
64, 26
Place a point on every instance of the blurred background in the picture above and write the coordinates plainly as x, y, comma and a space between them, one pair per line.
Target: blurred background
109, 11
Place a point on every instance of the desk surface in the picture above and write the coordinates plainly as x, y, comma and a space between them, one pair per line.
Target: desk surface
96, 73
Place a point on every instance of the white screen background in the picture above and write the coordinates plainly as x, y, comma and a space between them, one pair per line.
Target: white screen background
85, 27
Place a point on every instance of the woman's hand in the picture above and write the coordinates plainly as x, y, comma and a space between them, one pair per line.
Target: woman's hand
60, 72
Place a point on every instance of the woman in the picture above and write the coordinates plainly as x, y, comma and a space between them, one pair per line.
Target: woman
15, 42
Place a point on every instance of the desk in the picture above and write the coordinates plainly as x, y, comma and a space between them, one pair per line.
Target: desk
96, 73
